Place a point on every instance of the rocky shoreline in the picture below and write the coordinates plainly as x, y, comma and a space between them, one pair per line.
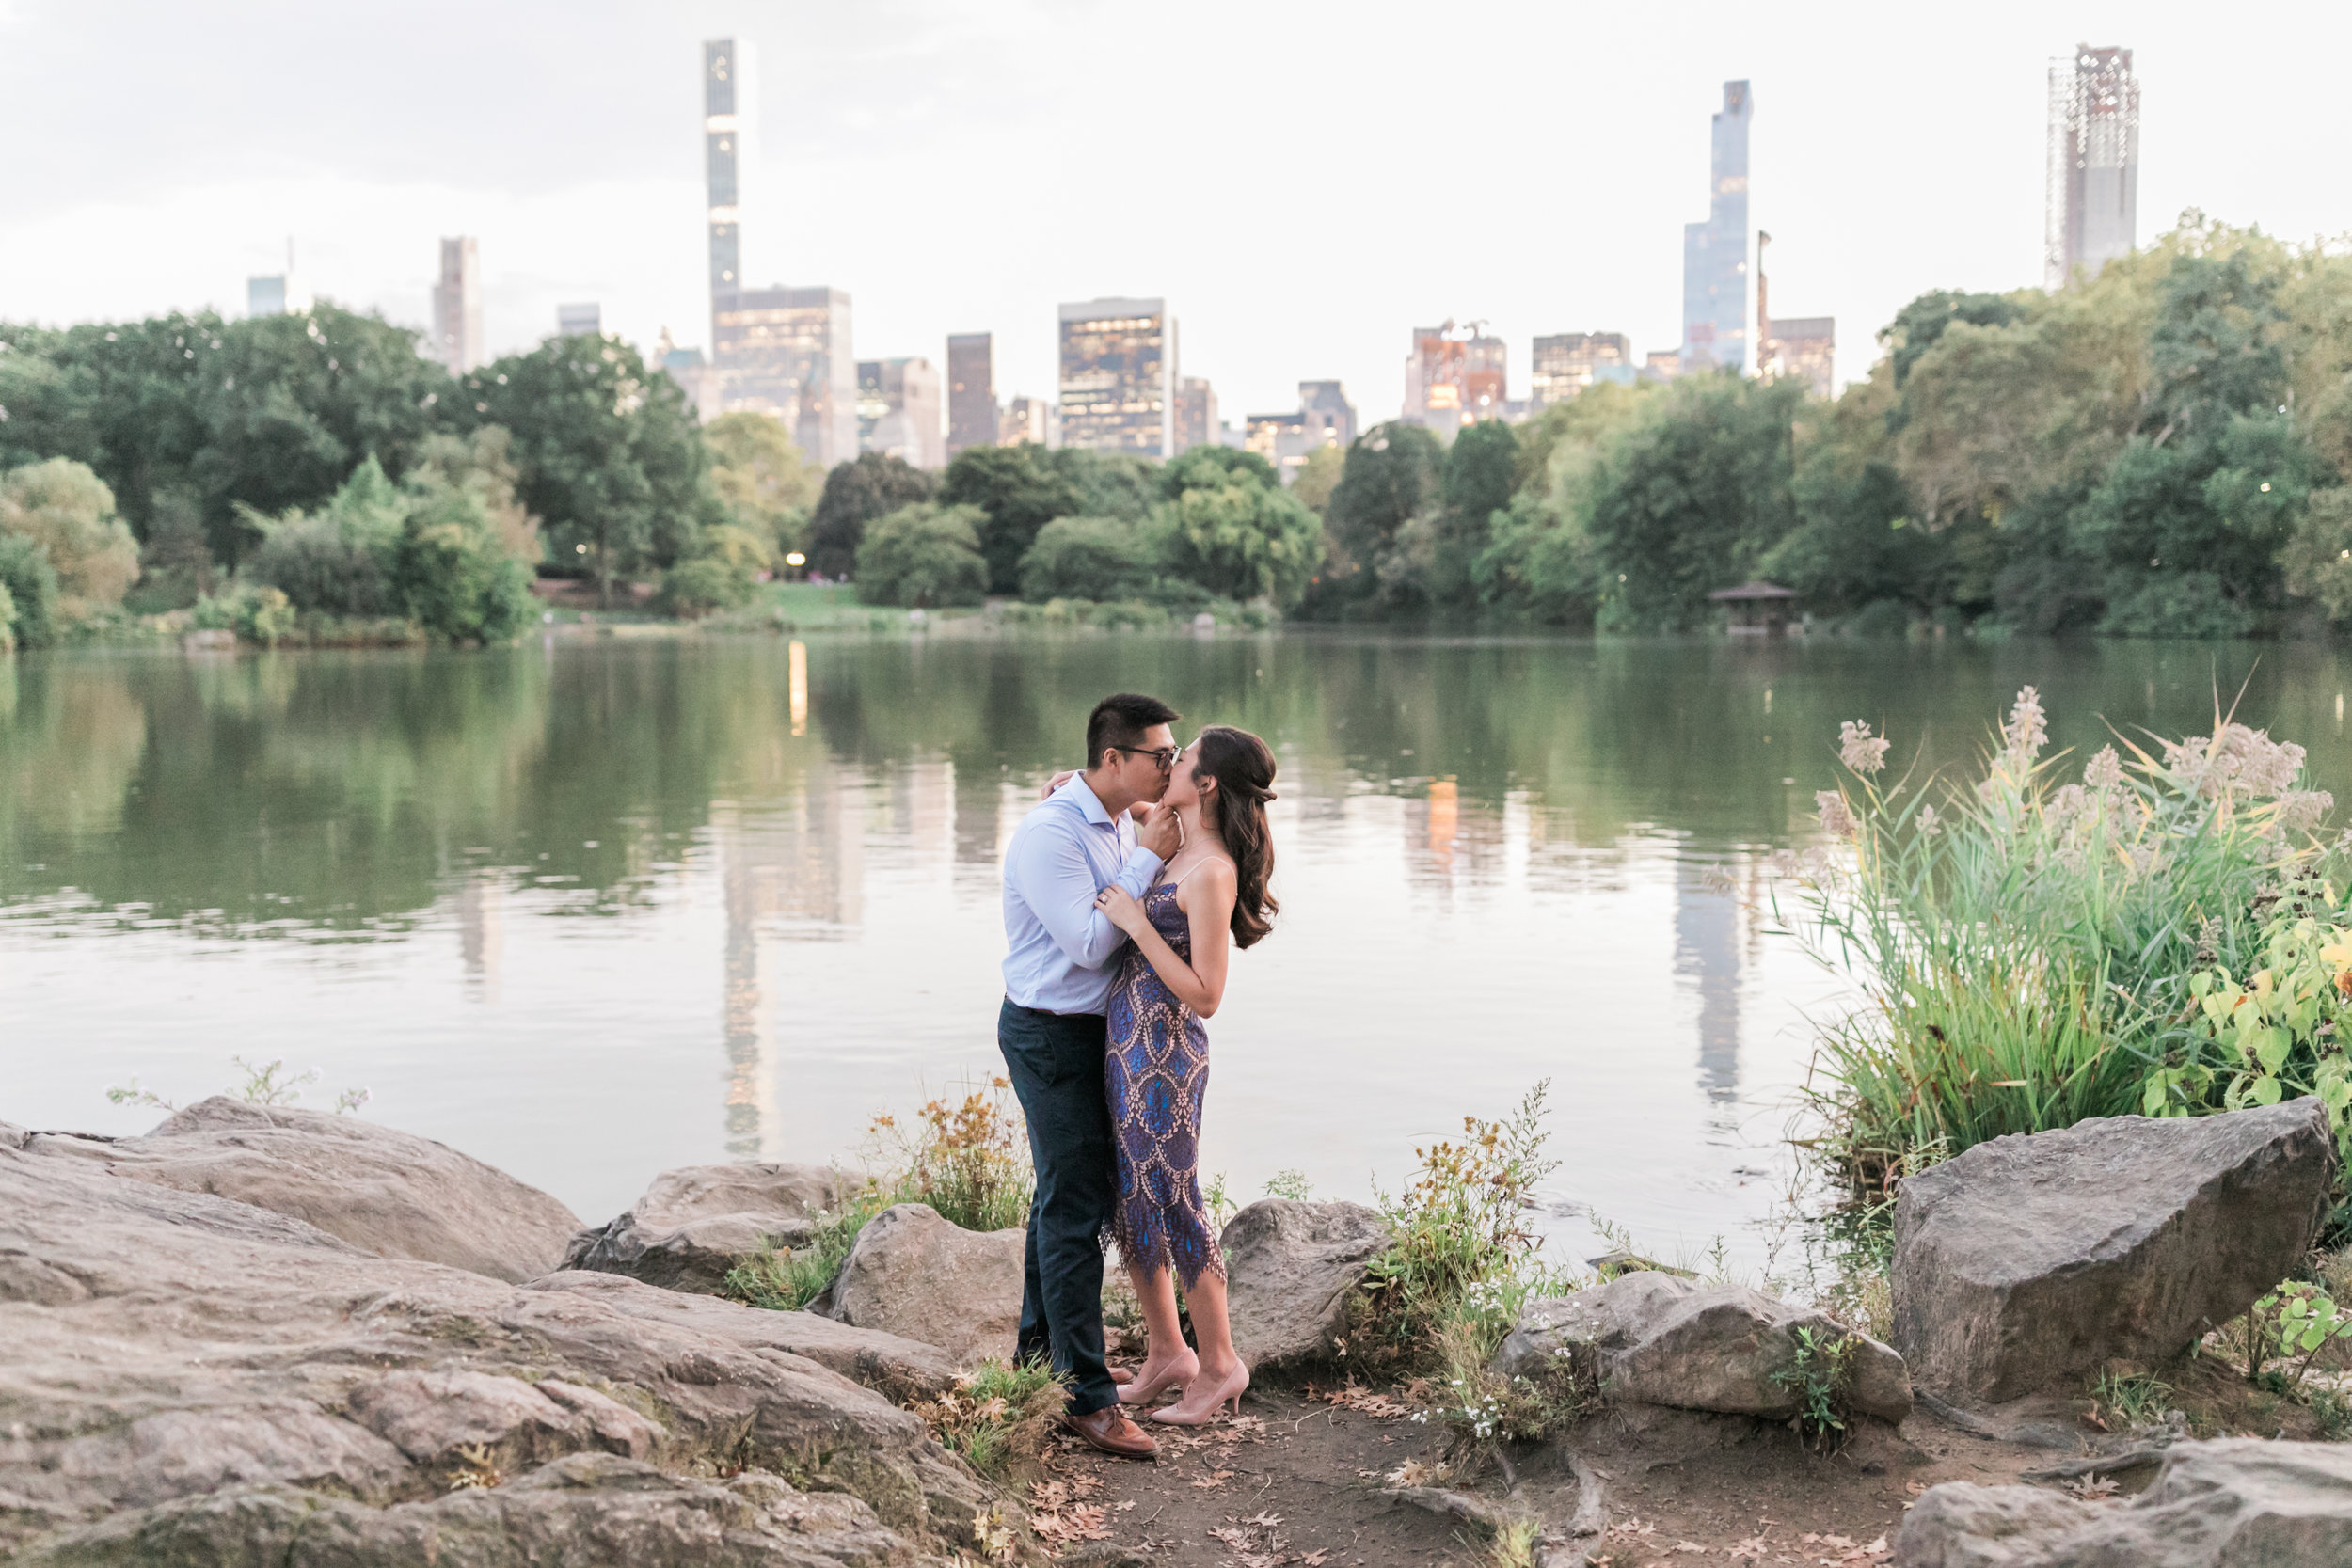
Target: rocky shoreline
259, 1335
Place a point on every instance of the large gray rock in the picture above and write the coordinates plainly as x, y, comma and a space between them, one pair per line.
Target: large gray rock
584, 1511
2032, 1259
693, 1224
391, 1193
896, 1368
2237, 1503
916, 1274
1656, 1338
159, 1346
1290, 1267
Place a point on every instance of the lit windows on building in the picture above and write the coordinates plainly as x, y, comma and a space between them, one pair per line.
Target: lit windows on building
786, 352
1567, 363
1119, 376
1454, 377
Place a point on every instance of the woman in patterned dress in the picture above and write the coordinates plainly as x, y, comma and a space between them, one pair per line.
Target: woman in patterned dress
1211, 898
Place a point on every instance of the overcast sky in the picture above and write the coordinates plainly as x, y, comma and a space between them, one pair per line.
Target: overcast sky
1304, 183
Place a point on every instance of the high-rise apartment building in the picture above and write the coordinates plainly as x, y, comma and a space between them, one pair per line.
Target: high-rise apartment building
1196, 414
730, 109
972, 412
786, 352
1796, 348
1715, 253
2092, 198
1325, 418
898, 411
1030, 419
1119, 376
691, 372
457, 306
1566, 363
584, 319
1454, 377
1330, 417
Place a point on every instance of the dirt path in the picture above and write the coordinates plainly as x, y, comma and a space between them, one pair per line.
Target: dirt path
1306, 1482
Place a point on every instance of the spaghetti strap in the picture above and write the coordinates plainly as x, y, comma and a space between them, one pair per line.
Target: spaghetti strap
1188, 871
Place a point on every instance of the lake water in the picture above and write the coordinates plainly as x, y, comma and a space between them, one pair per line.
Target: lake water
593, 908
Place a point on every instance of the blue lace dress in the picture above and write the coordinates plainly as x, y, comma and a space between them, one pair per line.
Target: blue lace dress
1156, 1074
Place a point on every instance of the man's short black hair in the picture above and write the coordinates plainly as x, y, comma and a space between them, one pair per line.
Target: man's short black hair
1121, 720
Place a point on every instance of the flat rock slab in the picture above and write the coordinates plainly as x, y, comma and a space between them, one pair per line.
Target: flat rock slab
160, 1346
694, 1223
586, 1511
2231, 1504
922, 1278
388, 1192
1658, 1338
2030, 1260
1290, 1267
896, 1368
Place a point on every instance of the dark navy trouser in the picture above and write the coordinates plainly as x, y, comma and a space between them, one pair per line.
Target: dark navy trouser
1055, 1062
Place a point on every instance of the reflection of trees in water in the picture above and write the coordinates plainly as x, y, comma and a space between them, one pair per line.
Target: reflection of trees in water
350, 790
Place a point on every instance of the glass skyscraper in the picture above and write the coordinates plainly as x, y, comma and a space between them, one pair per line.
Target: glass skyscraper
730, 102
971, 390
1715, 253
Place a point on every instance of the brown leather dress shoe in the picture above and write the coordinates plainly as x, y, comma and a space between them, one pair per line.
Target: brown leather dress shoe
1112, 1433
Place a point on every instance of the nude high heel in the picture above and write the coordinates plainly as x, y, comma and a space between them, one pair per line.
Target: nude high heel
1143, 1393
1203, 1410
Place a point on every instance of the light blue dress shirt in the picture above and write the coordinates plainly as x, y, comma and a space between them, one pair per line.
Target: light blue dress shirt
1060, 947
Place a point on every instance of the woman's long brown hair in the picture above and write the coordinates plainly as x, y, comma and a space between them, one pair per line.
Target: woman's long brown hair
1244, 770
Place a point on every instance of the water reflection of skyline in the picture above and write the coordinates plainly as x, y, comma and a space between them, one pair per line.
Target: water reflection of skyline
1498, 863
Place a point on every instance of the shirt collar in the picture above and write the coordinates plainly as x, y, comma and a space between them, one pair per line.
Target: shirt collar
1089, 805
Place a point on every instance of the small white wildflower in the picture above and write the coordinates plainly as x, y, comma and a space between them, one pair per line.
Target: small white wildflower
2022, 736
1858, 749
1837, 820
1929, 824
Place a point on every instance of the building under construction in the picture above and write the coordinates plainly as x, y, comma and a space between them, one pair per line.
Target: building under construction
2093, 197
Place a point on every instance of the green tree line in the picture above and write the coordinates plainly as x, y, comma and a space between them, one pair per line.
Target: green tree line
2161, 450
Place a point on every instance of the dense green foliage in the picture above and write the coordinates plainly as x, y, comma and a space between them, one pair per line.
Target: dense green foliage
2162, 451
922, 557
431, 551
761, 477
70, 513
2030, 951
1102, 558
610, 457
269, 413
869, 486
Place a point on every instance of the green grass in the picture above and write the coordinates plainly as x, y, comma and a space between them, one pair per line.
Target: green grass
998, 1417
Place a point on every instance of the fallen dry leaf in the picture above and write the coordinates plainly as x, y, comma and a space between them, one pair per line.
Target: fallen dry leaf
1752, 1548
1687, 1547
1365, 1403
1213, 1479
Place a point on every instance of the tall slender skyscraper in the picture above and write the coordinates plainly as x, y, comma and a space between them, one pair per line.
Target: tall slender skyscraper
971, 390
457, 306
1715, 253
730, 107
2092, 197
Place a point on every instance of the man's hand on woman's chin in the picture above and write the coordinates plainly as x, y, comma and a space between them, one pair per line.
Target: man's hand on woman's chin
1162, 832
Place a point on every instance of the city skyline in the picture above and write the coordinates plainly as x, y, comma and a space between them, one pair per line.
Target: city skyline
539, 185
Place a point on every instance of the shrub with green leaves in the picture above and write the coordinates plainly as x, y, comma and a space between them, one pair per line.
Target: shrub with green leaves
2021, 943
1459, 1248
31, 584
1100, 559
923, 556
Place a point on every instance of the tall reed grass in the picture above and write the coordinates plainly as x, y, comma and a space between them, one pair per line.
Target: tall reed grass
2020, 943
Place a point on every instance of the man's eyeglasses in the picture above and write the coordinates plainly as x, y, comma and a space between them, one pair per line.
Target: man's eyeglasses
1164, 758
